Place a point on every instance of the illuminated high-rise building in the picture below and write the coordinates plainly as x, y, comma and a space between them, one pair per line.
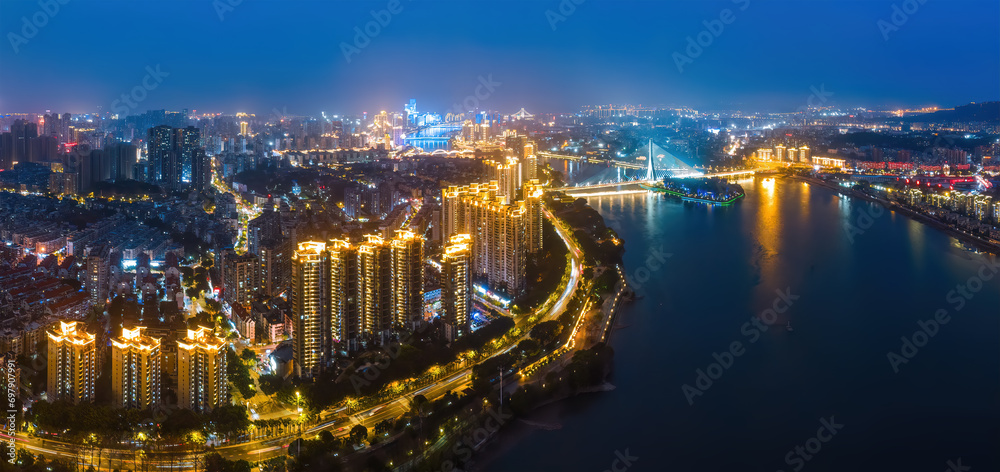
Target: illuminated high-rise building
499, 243
273, 269
174, 159
311, 333
453, 218
163, 161
533, 215
502, 234
517, 144
239, 276
136, 369
507, 176
201, 170
186, 143
97, 280
456, 285
201, 370
779, 152
530, 166
375, 288
345, 319
804, 155
72, 363
407, 279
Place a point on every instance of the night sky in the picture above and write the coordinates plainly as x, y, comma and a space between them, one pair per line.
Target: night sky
286, 55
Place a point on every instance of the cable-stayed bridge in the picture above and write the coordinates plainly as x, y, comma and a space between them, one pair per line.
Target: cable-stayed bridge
624, 177
659, 164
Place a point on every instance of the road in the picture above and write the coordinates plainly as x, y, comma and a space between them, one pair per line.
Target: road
272, 447
265, 449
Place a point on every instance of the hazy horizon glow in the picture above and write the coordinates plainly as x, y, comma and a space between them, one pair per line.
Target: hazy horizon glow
288, 56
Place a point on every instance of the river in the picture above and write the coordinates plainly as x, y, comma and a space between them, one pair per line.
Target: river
850, 278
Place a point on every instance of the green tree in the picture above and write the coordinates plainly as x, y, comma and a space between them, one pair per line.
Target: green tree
358, 434
248, 354
270, 384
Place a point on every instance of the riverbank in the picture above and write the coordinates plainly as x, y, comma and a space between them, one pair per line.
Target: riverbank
542, 393
853, 302
690, 197
970, 239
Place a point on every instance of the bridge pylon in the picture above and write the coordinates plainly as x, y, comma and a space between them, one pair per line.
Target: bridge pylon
650, 170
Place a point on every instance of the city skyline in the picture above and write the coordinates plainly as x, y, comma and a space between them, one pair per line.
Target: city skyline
530, 51
499, 235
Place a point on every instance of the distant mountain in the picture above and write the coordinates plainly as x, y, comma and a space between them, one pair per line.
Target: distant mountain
988, 111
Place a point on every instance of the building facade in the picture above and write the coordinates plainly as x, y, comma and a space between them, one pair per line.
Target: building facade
72, 363
136, 369
456, 286
201, 371
310, 338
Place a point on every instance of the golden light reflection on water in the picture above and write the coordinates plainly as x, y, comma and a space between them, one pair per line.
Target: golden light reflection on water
804, 200
917, 231
613, 206
768, 229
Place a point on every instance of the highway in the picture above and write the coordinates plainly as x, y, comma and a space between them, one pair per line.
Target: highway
265, 449
341, 425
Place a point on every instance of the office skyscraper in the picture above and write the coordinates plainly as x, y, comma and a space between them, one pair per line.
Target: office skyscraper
72, 363
136, 369
201, 370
